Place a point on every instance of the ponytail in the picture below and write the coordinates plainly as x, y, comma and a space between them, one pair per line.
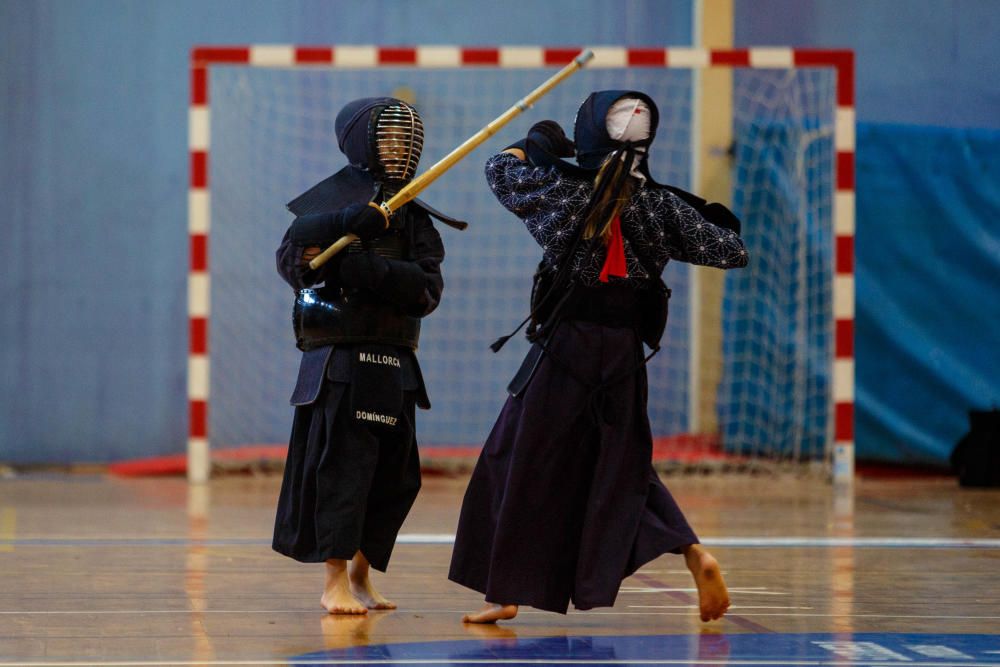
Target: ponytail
613, 187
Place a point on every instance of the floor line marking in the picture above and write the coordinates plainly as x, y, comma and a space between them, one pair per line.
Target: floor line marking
694, 606
7, 541
8, 528
590, 612
737, 619
879, 542
741, 591
839, 662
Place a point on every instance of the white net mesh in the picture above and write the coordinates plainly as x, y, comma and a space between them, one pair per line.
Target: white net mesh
272, 137
777, 343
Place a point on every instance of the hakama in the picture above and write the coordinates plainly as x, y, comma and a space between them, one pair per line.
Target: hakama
564, 503
345, 488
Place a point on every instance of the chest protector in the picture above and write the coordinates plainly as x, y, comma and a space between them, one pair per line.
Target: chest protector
334, 315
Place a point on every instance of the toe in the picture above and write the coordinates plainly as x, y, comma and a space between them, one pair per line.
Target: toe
350, 610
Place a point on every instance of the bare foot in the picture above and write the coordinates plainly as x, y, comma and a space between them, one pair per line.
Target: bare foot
713, 598
337, 597
501, 633
368, 596
361, 585
492, 613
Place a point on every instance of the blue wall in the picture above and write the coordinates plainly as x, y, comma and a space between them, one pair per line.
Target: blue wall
93, 188
93, 180
928, 263
919, 62
928, 208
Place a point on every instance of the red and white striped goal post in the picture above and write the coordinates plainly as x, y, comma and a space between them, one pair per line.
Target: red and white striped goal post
203, 58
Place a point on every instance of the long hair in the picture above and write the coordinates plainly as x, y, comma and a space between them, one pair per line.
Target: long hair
613, 187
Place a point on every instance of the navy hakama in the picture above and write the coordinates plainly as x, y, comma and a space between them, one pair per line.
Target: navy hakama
345, 488
352, 471
564, 503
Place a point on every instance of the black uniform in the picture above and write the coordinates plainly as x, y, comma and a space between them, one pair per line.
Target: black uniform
353, 471
564, 502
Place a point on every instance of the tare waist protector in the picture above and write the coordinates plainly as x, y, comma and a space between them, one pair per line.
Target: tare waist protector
324, 317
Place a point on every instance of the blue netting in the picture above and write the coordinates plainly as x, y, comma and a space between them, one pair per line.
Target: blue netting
777, 324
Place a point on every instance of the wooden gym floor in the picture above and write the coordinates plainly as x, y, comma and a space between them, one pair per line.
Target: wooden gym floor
99, 570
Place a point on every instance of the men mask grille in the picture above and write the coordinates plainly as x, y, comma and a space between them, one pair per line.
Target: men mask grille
399, 139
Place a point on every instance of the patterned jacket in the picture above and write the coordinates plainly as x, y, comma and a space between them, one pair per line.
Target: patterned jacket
656, 224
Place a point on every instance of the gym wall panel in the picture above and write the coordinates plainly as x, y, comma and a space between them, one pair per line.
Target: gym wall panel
93, 144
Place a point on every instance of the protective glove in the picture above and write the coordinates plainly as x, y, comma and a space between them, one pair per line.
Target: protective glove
548, 136
397, 281
362, 220
364, 270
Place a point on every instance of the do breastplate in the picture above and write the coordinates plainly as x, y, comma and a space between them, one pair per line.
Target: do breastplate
334, 315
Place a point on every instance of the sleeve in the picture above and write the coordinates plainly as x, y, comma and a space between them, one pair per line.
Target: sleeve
691, 238
429, 253
292, 261
549, 203
416, 286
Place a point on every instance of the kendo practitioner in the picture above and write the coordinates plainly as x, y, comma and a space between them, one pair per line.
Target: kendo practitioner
564, 503
352, 470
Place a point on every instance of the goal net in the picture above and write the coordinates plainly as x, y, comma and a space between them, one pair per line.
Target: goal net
262, 132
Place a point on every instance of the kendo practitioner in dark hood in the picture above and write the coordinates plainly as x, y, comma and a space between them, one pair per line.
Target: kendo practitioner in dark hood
564, 503
352, 471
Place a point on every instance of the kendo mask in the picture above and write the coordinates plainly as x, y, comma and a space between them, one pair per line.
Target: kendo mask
615, 120
383, 135
359, 127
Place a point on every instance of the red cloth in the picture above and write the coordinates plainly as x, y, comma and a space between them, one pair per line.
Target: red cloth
614, 263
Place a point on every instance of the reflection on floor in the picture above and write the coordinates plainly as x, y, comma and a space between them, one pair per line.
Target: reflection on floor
705, 648
97, 570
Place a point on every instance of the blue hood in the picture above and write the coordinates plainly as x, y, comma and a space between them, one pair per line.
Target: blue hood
352, 128
590, 130
356, 183
590, 135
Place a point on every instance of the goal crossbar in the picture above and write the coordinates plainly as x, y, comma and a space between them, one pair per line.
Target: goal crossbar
204, 58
